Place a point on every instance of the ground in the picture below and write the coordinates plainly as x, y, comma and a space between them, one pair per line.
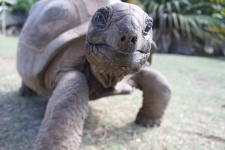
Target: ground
194, 120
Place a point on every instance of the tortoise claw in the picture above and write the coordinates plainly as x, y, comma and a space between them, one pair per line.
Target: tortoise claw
147, 122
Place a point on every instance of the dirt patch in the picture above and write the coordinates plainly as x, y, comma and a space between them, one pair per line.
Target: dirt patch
7, 64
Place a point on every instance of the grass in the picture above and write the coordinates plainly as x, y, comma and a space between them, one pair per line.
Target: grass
8, 47
194, 120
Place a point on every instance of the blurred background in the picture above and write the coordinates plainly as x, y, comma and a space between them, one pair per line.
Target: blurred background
190, 27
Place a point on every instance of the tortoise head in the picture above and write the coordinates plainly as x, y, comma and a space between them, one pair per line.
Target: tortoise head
119, 39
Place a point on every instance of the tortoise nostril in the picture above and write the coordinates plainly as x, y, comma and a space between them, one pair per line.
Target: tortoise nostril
123, 38
133, 40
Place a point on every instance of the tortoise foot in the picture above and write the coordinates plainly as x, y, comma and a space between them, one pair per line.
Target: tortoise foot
147, 122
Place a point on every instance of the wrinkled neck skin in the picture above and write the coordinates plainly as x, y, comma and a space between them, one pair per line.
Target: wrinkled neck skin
105, 79
109, 66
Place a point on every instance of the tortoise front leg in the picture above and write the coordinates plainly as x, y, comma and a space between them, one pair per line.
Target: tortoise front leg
156, 95
62, 126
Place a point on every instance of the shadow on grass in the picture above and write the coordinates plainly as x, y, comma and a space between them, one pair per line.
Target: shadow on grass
22, 116
20, 120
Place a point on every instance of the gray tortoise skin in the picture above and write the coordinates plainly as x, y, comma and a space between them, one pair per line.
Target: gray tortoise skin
76, 51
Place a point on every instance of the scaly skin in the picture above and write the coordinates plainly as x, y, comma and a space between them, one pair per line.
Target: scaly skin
156, 95
66, 111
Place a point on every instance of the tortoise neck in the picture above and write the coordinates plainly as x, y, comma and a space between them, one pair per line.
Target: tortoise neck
105, 79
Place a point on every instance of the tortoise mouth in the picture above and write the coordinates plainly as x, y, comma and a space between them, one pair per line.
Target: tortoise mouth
108, 61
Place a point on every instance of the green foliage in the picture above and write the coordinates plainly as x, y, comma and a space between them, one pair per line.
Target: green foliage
195, 22
6, 3
23, 6
184, 16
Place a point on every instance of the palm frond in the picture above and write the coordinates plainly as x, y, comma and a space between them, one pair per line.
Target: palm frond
189, 18
175, 20
177, 5
169, 7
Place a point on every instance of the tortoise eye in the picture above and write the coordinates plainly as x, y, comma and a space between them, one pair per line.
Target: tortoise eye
148, 27
100, 20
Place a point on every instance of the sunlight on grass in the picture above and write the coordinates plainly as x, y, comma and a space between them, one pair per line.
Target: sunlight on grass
8, 47
195, 117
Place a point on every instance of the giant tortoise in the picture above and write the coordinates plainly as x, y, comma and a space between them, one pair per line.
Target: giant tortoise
75, 51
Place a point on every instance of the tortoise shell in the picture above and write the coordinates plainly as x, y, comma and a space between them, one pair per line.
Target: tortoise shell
49, 27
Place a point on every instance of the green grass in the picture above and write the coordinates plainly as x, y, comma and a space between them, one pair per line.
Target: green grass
8, 47
194, 120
